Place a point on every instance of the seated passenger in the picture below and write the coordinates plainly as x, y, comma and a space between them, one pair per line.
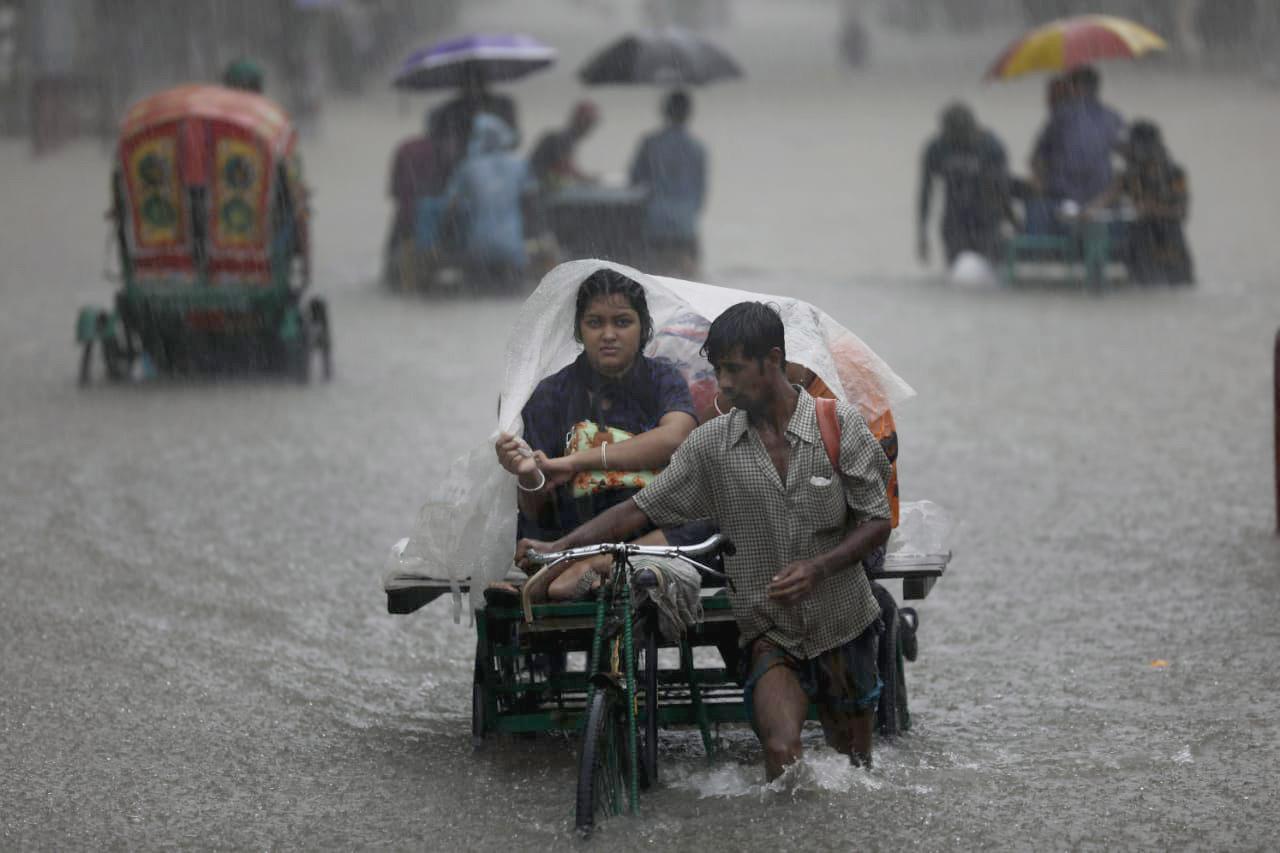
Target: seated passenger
1072, 156
456, 119
600, 429
415, 175
486, 190
1157, 251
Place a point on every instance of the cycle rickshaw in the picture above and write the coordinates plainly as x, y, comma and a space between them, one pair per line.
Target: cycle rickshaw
604, 668
211, 227
626, 692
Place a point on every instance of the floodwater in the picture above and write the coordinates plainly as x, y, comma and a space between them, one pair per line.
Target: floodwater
195, 646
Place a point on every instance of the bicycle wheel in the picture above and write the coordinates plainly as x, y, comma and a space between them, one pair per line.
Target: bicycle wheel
602, 764
649, 732
887, 719
890, 678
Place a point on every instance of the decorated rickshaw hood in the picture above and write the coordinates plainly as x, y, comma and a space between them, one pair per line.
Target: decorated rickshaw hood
200, 171
255, 113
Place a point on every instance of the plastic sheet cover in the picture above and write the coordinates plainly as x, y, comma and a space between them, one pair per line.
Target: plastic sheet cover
466, 528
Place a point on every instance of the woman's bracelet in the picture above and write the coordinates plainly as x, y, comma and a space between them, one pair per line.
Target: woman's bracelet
521, 486
604, 456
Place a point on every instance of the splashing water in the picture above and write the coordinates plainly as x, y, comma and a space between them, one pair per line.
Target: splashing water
817, 770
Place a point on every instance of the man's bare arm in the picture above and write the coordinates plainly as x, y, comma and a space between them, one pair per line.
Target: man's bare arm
859, 542
617, 524
798, 579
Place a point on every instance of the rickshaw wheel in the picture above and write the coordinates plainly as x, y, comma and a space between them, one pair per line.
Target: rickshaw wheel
649, 733
116, 359
86, 362
322, 339
477, 716
890, 676
602, 764
299, 362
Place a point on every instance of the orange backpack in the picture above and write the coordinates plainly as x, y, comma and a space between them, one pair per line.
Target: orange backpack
882, 428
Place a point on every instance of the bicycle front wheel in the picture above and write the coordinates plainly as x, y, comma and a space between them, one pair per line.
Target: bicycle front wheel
602, 764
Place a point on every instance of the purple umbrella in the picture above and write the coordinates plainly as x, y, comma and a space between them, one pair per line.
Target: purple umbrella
491, 58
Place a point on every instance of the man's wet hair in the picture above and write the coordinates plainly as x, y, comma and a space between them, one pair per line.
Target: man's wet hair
958, 121
607, 282
754, 326
678, 106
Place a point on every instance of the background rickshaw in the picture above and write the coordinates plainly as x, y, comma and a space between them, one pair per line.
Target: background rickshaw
211, 225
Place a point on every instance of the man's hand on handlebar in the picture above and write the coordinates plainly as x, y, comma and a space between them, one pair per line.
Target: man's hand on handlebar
524, 546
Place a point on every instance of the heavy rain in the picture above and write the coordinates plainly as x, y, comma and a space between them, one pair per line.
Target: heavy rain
196, 644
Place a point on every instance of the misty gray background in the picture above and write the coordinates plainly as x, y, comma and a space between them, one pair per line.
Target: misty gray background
194, 649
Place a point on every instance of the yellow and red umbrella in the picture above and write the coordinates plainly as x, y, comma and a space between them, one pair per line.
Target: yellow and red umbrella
1070, 42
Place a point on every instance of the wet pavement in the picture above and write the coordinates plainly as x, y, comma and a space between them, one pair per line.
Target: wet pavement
195, 650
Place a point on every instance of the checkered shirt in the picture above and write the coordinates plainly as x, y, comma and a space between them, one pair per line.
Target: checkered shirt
722, 471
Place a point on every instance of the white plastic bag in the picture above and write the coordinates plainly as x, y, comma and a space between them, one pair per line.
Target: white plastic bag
924, 528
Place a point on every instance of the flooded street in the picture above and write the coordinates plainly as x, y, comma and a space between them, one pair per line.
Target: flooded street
195, 647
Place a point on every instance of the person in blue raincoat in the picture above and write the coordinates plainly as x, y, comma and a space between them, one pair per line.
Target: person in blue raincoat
486, 191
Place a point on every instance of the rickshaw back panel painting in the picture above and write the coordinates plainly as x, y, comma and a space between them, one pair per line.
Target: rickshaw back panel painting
211, 218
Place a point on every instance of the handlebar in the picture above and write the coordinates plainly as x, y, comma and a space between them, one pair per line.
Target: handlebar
684, 553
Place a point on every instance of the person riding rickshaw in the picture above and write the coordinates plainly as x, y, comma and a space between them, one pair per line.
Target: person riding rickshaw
212, 228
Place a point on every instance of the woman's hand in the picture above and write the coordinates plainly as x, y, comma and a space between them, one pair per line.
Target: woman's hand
515, 456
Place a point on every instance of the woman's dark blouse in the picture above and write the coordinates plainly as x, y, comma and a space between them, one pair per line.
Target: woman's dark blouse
637, 401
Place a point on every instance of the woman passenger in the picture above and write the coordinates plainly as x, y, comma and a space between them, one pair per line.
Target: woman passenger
1156, 186
599, 429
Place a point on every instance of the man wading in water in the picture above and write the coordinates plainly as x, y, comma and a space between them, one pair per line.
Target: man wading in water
803, 604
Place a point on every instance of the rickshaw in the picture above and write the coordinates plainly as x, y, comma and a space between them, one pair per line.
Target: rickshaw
1089, 249
625, 693
211, 227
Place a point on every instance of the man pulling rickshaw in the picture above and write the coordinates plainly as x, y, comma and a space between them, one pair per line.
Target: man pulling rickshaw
801, 527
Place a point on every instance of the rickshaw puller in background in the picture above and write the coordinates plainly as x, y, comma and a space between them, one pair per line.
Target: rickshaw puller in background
973, 168
552, 160
801, 597
672, 166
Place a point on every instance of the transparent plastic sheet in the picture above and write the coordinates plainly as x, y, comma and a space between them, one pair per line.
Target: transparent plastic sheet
924, 529
466, 529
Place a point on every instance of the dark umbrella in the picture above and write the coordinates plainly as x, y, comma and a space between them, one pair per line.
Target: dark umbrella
669, 57
490, 58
